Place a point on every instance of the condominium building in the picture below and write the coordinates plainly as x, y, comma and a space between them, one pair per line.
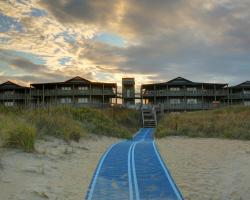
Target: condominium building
181, 94
12, 94
76, 91
240, 94
178, 94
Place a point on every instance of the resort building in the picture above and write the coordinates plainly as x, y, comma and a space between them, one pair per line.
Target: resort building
178, 94
76, 91
240, 94
12, 94
181, 94
128, 91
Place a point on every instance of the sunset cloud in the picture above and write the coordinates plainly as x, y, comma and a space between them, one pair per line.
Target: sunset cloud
107, 40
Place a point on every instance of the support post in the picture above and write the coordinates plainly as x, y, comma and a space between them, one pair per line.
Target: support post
43, 95
116, 94
103, 95
90, 93
154, 94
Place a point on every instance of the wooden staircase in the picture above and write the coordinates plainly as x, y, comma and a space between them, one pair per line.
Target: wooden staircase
149, 118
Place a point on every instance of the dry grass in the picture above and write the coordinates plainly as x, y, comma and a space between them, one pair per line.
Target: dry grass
19, 127
231, 122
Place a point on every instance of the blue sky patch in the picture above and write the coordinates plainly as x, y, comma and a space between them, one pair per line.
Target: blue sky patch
7, 23
36, 59
35, 12
64, 60
111, 39
69, 38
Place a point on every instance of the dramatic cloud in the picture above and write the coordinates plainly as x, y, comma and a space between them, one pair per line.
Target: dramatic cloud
203, 40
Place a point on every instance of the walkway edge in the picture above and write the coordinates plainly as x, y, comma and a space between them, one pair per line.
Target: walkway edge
167, 173
93, 182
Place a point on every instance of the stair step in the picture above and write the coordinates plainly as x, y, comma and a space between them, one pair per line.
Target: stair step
148, 118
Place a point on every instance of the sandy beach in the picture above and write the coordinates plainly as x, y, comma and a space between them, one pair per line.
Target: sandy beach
208, 169
58, 171
204, 169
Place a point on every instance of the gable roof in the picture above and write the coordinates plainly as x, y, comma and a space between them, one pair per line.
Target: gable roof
245, 84
77, 79
11, 85
179, 80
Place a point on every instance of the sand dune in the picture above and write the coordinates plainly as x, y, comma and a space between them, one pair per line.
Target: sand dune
208, 169
204, 169
58, 171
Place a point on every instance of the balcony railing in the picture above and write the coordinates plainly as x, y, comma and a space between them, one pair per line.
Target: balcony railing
131, 95
240, 95
197, 106
58, 92
13, 96
151, 93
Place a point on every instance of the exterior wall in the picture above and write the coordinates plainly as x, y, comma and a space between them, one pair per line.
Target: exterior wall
186, 97
181, 95
73, 94
128, 91
240, 96
14, 97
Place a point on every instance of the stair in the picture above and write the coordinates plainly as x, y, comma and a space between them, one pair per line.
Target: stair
149, 117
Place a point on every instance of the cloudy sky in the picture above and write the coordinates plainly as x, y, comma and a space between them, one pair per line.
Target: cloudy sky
105, 40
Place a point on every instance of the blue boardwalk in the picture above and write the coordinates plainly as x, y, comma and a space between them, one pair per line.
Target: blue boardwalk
133, 170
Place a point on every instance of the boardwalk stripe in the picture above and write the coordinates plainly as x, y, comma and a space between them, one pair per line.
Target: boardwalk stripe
137, 194
129, 173
177, 192
136, 133
146, 133
98, 171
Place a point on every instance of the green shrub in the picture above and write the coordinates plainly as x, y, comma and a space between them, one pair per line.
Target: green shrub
20, 135
20, 127
232, 122
58, 124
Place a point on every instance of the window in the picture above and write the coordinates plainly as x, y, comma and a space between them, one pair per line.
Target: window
9, 103
191, 89
66, 88
65, 100
191, 101
174, 89
83, 100
246, 91
175, 101
83, 88
8, 92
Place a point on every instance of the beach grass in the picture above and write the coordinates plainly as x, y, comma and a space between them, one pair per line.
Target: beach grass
231, 122
20, 128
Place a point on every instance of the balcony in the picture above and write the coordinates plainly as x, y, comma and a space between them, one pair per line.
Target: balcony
240, 95
162, 93
130, 95
58, 92
11, 96
184, 106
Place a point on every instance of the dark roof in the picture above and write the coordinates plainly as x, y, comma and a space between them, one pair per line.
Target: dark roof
128, 81
77, 80
245, 84
182, 81
179, 80
11, 85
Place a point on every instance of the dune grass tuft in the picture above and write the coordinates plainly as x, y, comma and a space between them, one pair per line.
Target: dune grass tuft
20, 127
18, 133
232, 122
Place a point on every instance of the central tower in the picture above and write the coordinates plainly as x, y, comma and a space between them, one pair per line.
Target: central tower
128, 91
